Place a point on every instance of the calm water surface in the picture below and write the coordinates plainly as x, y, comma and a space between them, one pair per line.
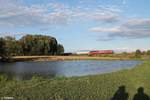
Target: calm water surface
25, 70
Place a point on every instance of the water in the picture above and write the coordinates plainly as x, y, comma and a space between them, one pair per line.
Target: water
25, 70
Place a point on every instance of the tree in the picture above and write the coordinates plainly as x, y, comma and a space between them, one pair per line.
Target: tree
18, 51
148, 52
2, 47
39, 45
29, 45
138, 53
60, 49
12, 47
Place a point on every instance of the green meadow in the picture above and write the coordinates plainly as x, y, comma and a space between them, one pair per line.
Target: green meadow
95, 87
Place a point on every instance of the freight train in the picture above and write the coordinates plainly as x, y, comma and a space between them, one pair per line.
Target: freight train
95, 52
101, 52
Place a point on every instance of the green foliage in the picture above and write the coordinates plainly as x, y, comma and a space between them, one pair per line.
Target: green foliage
3, 78
148, 52
96, 87
138, 53
39, 45
12, 47
2, 44
60, 49
30, 45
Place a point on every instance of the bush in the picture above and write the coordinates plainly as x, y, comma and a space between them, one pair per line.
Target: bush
138, 54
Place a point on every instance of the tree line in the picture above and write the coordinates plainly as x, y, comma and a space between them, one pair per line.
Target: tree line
29, 45
139, 53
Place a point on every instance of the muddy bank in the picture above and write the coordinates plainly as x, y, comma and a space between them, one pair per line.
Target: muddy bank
61, 58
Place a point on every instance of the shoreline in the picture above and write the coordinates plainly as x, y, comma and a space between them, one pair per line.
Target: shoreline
64, 58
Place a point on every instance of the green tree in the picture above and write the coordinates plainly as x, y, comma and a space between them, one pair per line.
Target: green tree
39, 45
29, 45
148, 52
12, 47
2, 47
60, 49
18, 51
138, 53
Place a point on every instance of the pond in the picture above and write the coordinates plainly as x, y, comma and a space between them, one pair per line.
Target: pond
25, 70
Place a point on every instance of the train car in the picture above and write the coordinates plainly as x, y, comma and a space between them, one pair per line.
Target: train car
83, 52
66, 54
101, 52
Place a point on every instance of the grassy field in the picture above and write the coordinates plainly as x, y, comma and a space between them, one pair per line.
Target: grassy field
97, 87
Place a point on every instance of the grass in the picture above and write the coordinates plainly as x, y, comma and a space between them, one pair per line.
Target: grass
96, 87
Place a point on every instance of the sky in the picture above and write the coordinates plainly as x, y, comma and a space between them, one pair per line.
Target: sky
80, 24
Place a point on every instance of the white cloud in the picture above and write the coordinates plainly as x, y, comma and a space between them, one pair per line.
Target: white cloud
133, 28
35, 15
100, 14
16, 14
109, 30
12, 34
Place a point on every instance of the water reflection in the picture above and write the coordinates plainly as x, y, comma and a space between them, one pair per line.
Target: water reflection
25, 70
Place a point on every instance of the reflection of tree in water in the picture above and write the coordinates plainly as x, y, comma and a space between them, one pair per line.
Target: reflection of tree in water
140, 95
120, 94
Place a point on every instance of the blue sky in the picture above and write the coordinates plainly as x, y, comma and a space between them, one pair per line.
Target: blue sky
80, 24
